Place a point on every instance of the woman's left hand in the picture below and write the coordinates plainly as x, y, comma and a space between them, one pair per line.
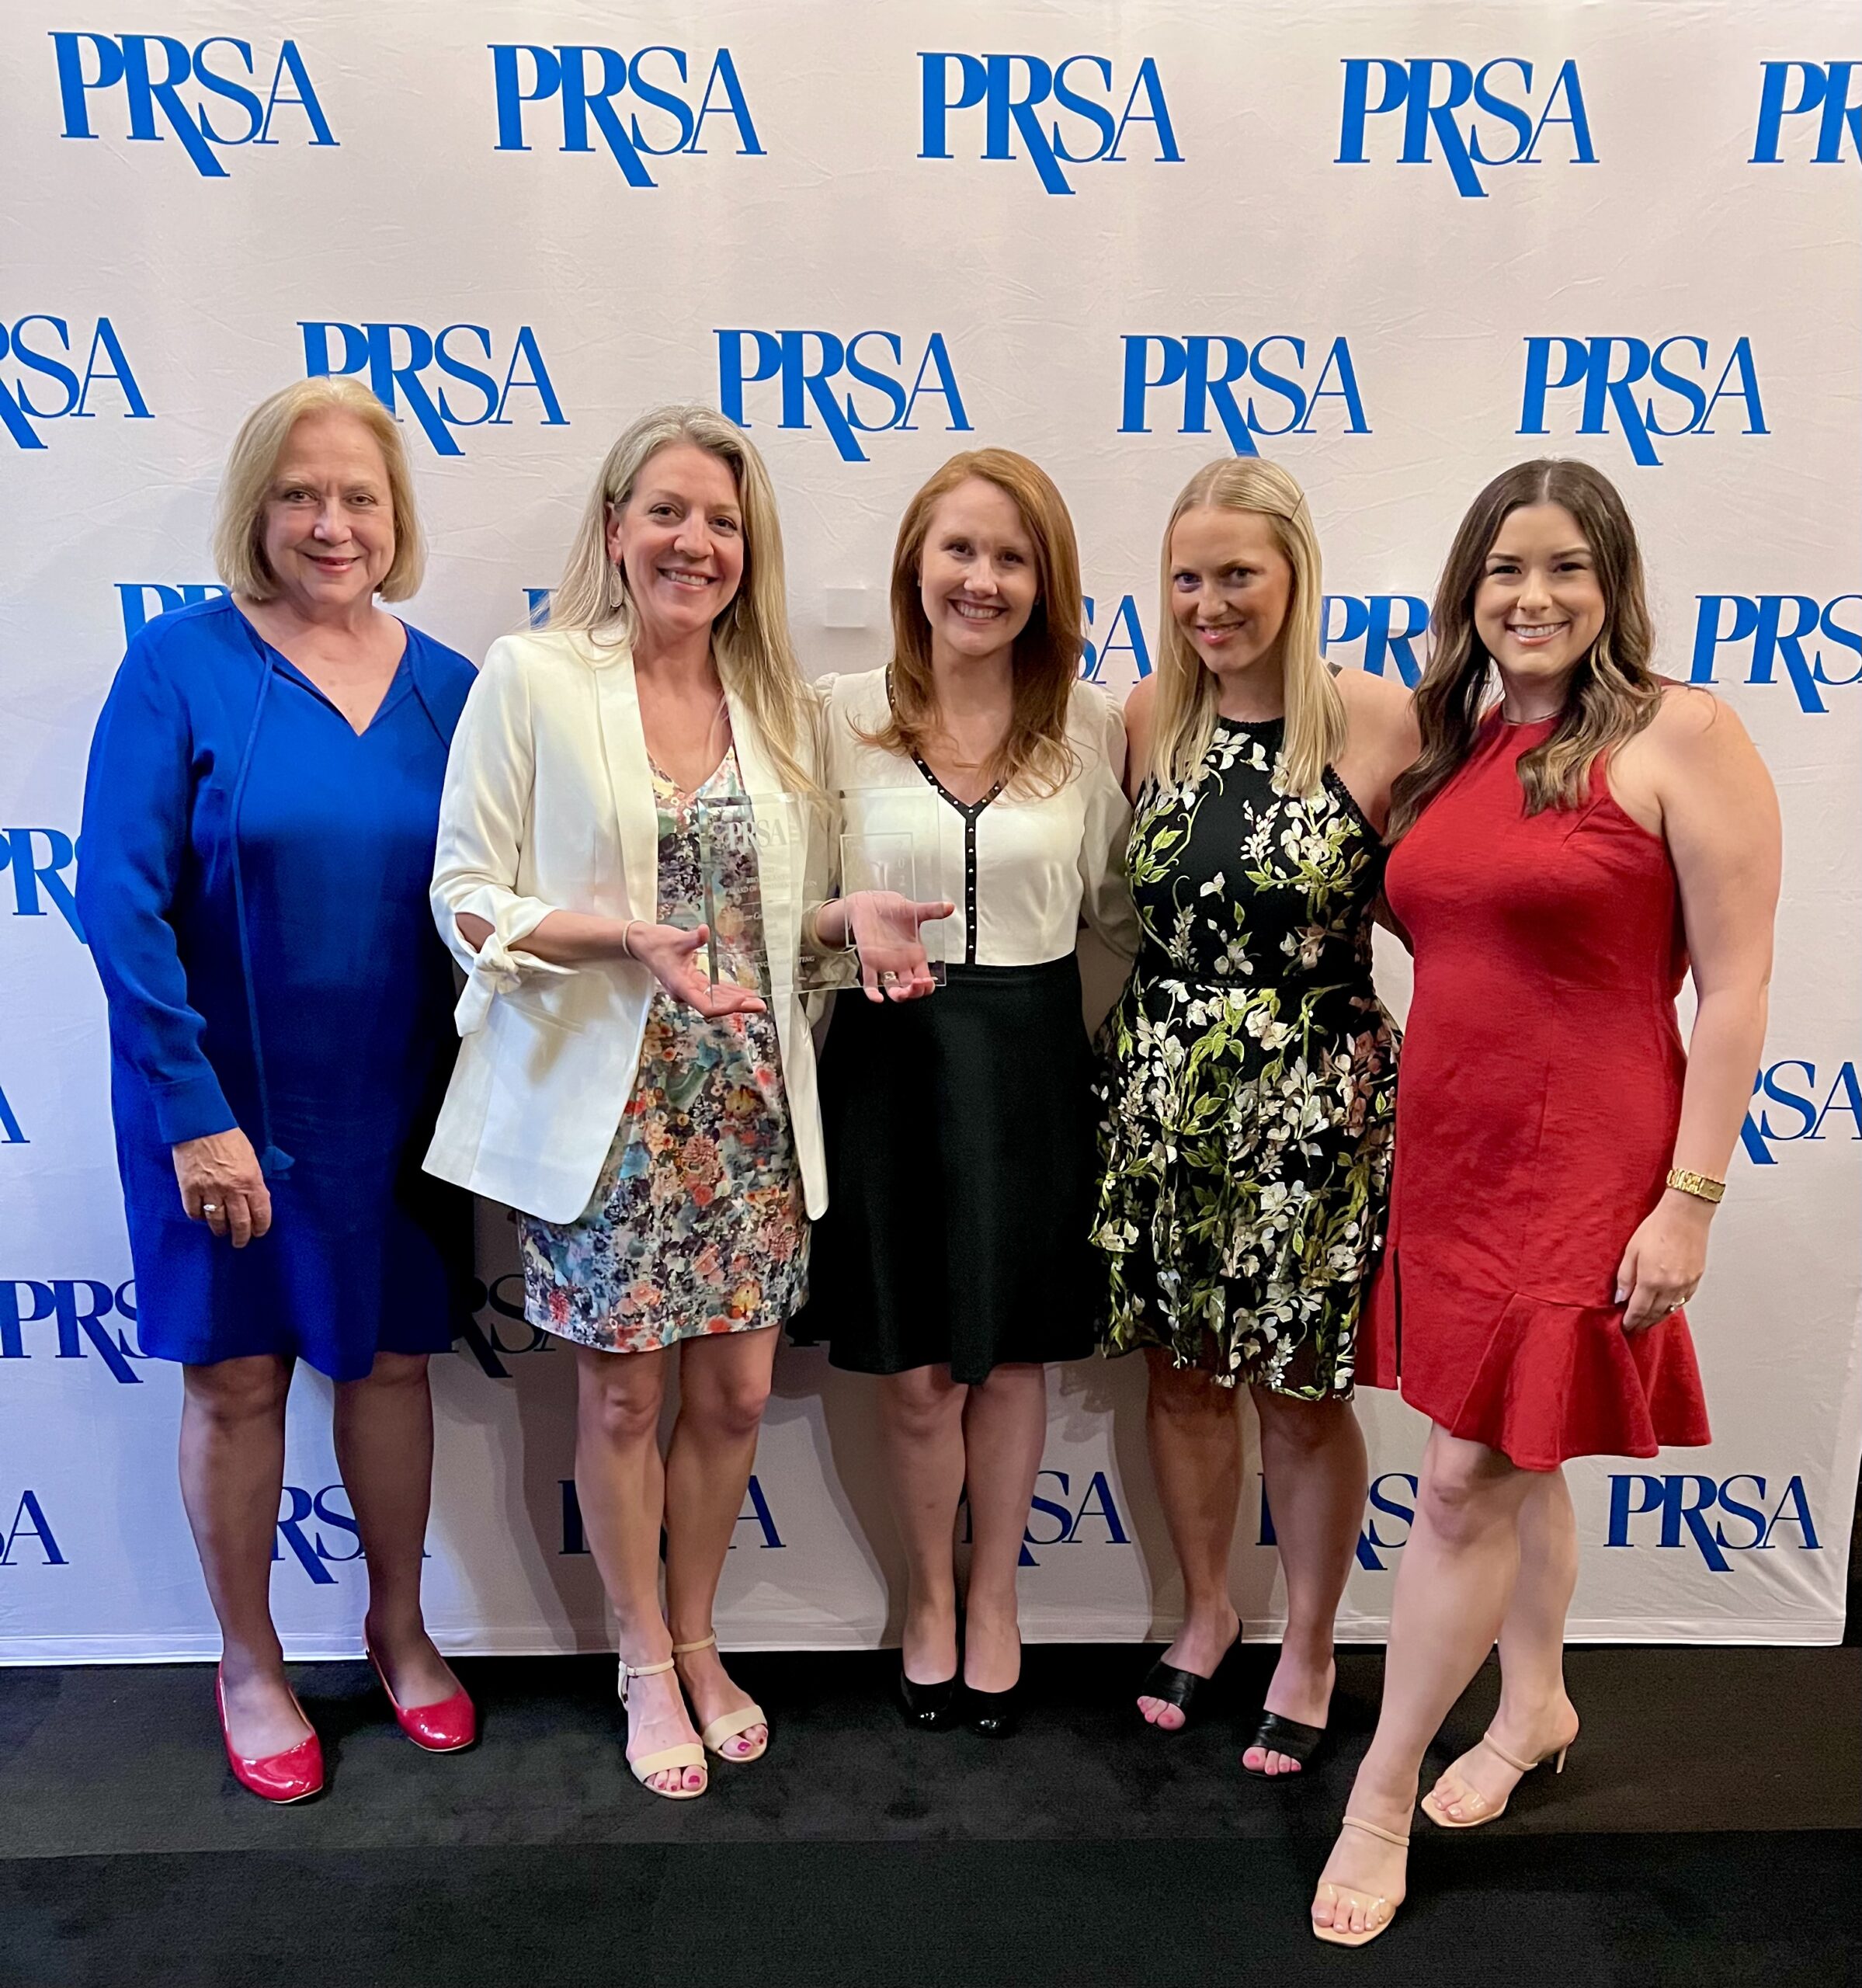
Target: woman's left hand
1662, 1268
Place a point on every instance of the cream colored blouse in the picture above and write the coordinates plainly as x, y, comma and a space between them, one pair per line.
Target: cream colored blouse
1024, 871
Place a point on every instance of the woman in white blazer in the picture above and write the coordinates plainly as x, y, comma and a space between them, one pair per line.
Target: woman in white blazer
659, 1135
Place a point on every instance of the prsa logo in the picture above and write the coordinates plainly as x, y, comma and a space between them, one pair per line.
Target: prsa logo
27, 359
75, 1307
1391, 1496
1829, 88
1060, 1517
1684, 1502
1795, 1088
1495, 100
398, 358
1609, 369
1121, 657
29, 1528
43, 864
806, 365
1210, 369
315, 1553
756, 1514
1010, 91
142, 600
1777, 626
484, 1338
92, 63
523, 73
1388, 626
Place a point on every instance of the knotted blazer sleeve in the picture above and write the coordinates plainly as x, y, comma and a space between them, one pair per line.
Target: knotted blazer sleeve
486, 818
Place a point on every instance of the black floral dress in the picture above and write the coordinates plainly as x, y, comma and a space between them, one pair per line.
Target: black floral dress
1248, 1083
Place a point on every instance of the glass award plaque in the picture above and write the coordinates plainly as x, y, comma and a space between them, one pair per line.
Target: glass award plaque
881, 889
743, 844
733, 835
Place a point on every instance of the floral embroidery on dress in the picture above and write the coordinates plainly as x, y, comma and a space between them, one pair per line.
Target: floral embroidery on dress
697, 1223
1248, 1084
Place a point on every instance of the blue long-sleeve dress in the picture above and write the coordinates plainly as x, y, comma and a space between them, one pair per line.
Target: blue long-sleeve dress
252, 880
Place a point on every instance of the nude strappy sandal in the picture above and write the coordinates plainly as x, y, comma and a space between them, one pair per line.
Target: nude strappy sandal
729, 1725
1379, 1910
687, 1753
1438, 1815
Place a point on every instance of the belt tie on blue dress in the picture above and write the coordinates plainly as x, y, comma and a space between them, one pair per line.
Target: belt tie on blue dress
271, 1161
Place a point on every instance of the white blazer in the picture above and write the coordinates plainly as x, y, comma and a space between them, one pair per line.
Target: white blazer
548, 806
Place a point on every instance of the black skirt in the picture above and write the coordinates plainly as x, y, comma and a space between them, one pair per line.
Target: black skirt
960, 1148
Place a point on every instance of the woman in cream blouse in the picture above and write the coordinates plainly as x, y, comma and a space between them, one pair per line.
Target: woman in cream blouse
657, 1135
960, 1127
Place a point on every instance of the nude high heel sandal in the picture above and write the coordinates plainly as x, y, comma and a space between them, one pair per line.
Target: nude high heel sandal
1438, 1815
729, 1725
1379, 1911
687, 1753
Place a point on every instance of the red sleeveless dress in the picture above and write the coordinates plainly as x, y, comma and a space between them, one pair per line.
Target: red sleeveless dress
1537, 1098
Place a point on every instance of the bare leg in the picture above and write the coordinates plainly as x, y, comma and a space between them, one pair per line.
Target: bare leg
621, 1484
1313, 1459
1004, 1425
921, 1413
383, 1427
1535, 1717
232, 1475
723, 1383
1452, 1593
1194, 1427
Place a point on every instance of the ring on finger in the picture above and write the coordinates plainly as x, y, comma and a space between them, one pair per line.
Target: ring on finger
209, 1207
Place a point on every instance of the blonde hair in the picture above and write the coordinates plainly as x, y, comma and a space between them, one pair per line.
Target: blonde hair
1187, 693
750, 639
1612, 694
239, 517
1046, 660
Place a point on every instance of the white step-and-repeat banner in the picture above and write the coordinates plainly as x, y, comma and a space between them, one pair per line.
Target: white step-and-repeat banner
1396, 247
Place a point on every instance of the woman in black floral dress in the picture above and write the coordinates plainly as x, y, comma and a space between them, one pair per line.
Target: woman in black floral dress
1249, 1091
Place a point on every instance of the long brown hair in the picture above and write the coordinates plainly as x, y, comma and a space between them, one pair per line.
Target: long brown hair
1612, 692
1047, 661
1186, 692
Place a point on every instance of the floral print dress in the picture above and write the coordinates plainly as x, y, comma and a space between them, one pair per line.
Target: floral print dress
697, 1223
1248, 1082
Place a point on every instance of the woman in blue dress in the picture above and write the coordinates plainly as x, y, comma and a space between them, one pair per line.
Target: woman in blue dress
258, 825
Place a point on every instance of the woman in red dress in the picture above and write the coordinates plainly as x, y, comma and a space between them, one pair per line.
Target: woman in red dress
1561, 856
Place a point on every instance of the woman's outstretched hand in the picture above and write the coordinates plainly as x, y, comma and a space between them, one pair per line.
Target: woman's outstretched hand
884, 926
670, 953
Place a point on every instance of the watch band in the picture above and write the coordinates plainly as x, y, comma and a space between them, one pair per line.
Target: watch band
1703, 1187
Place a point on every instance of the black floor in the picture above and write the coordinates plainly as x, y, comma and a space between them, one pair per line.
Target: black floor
1707, 1831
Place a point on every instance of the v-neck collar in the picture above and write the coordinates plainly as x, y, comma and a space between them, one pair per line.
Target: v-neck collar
398, 684
969, 810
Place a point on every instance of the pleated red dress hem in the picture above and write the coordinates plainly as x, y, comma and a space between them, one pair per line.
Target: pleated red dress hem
1555, 1381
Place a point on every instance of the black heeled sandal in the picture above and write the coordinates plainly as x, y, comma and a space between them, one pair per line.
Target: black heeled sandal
1178, 1688
1290, 1737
